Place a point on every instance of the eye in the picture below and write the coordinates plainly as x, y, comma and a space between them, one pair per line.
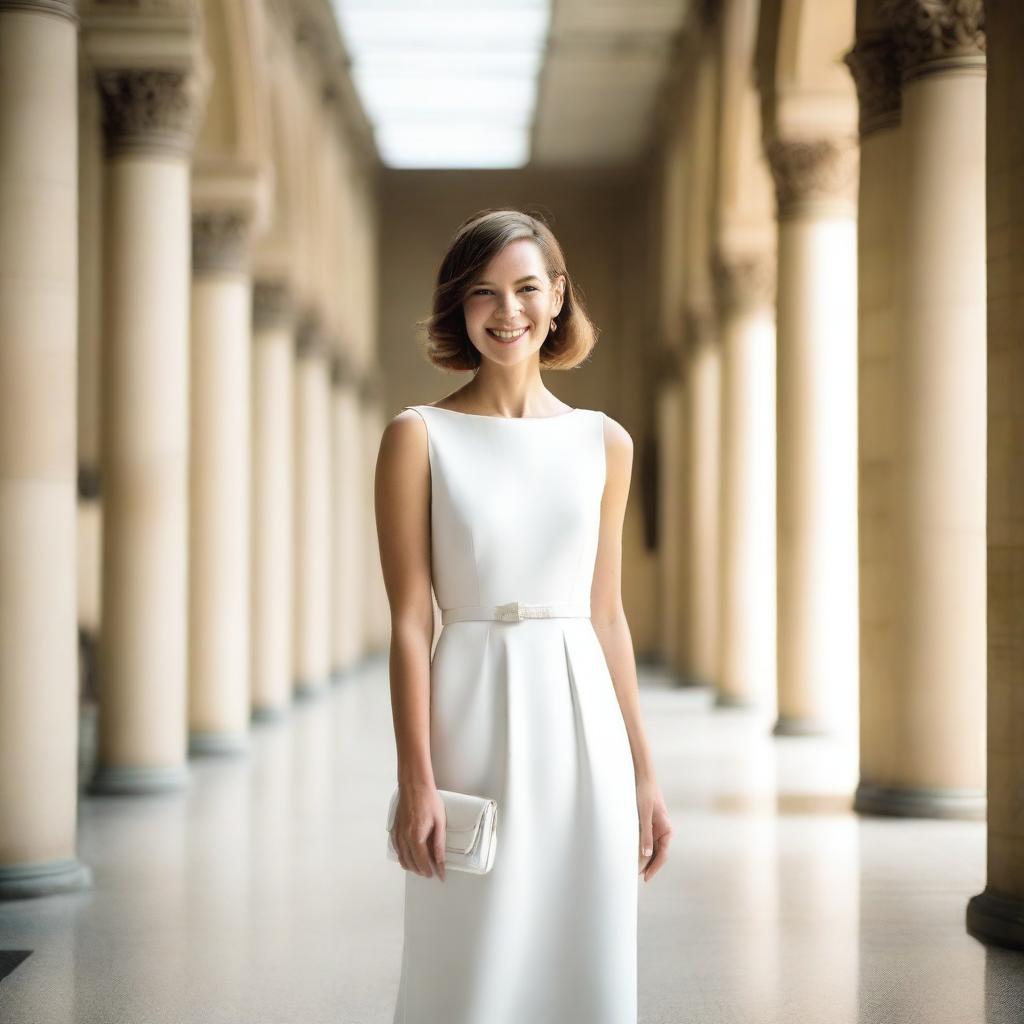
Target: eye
531, 287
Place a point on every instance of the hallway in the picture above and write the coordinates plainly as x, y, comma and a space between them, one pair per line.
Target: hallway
263, 895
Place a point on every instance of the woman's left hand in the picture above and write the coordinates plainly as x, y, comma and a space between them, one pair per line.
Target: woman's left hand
655, 828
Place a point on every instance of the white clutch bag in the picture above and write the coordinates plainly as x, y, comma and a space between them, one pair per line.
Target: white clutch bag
471, 831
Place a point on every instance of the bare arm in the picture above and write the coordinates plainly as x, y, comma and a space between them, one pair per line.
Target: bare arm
402, 509
609, 620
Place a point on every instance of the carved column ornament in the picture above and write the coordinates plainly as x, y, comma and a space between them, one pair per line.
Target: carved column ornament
310, 341
272, 305
699, 326
371, 386
60, 8
875, 65
812, 174
220, 242
344, 372
149, 111
744, 281
668, 366
934, 34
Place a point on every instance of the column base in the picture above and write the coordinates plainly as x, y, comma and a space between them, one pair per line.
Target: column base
137, 780
268, 714
785, 726
996, 918
731, 700
310, 689
920, 802
217, 744
689, 681
27, 881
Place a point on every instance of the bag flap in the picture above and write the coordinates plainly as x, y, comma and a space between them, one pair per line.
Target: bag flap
464, 816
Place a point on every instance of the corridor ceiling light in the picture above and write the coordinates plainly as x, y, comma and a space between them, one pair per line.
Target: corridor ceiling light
447, 83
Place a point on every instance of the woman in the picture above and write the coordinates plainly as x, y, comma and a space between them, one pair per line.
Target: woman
502, 494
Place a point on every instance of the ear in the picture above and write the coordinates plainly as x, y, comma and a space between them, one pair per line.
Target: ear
559, 294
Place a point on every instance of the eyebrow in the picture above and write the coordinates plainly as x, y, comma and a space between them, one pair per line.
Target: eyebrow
529, 277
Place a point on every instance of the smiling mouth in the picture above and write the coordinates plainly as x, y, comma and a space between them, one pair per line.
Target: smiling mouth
507, 335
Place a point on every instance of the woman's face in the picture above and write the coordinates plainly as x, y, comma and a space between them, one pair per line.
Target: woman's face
509, 309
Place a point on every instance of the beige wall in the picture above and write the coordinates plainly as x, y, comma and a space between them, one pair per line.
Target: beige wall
597, 218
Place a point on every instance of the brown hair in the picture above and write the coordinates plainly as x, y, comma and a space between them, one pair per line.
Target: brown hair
477, 241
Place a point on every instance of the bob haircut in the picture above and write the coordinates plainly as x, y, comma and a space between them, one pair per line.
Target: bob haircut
477, 241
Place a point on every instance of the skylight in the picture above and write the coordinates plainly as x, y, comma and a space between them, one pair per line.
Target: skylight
447, 83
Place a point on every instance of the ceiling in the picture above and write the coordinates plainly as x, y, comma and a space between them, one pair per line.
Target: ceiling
602, 72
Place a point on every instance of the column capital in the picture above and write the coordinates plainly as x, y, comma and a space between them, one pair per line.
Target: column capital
60, 8
668, 366
272, 304
220, 241
149, 110
937, 35
814, 175
699, 326
310, 340
371, 386
744, 281
344, 371
874, 63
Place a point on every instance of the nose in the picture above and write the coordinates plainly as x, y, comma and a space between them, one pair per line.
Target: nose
511, 307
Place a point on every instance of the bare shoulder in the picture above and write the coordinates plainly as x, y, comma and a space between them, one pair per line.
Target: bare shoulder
618, 442
404, 438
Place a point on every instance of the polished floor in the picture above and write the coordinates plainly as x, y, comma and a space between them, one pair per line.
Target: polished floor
263, 895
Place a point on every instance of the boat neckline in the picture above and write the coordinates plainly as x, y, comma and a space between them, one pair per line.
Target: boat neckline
505, 419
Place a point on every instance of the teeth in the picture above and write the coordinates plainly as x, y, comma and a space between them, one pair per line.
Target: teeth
508, 334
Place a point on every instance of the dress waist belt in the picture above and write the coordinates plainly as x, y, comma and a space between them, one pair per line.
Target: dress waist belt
516, 611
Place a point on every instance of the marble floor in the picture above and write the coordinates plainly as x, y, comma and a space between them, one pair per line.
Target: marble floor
262, 895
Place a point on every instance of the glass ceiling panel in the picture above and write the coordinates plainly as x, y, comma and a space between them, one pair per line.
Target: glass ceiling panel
447, 83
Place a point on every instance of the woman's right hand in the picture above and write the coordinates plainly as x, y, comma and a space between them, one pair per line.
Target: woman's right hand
419, 830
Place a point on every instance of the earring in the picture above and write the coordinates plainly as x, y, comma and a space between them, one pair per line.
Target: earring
554, 326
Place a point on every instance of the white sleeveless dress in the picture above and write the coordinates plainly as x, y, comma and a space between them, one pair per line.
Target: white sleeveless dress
524, 712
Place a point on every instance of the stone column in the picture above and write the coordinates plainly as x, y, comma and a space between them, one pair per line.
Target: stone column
940, 422
38, 267
312, 473
376, 618
90, 283
670, 417
816, 402
875, 68
703, 440
996, 915
219, 463
349, 498
745, 286
149, 121
273, 385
